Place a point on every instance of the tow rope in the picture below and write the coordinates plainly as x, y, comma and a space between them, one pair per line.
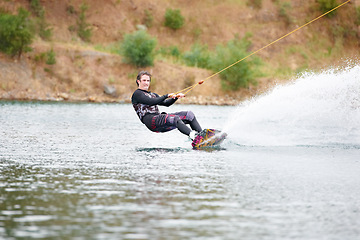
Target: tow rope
188, 89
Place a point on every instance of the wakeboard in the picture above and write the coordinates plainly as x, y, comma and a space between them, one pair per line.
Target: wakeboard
208, 138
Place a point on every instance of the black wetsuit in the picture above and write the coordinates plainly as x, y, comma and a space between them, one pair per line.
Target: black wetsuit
145, 105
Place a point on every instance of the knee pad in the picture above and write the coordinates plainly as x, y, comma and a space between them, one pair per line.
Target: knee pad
176, 119
190, 115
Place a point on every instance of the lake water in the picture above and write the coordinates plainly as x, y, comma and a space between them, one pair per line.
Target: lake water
290, 169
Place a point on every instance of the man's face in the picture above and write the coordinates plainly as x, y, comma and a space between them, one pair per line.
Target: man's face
144, 82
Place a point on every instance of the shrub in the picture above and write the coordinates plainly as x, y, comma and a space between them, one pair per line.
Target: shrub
148, 19
327, 5
44, 31
357, 20
36, 8
170, 51
83, 28
242, 74
198, 56
173, 19
138, 49
283, 12
39, 57
70, 10
196, 32
174, 51
254, 3
50, 57
16, 33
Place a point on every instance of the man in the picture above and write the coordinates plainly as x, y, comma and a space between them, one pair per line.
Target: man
145, 105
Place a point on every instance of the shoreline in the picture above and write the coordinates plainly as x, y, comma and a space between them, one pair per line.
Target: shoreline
65, 98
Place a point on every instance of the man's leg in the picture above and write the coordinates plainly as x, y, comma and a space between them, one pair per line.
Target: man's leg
181, 126
167, 122
188, 117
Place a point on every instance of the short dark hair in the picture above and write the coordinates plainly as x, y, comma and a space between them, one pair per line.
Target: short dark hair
140, 74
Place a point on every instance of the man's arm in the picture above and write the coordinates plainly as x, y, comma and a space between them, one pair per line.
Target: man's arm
168, 102
140, 97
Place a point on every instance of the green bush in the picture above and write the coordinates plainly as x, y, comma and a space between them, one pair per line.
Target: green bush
198, 56
16, 33
174, 51
170, 51
255, 4
242, 74
138, 49
148, 19
45, 32
43, 29
36, 8
283, 12
83, 28
70, 10
50, 57
327, 5
357, 20
174, 19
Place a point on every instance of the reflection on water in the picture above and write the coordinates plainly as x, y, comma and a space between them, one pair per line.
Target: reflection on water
93, 171
166, 150
162, 150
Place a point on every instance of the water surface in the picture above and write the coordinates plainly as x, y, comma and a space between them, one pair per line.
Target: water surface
93, 171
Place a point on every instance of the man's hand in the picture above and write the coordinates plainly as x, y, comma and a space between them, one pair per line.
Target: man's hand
180, 95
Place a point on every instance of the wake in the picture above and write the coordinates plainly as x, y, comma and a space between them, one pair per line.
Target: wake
315, 109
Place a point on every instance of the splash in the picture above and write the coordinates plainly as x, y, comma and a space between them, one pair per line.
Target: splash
315, 109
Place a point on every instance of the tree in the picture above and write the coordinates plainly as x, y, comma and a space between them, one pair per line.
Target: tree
16, 33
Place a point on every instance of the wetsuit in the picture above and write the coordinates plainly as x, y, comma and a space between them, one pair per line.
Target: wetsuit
145, 105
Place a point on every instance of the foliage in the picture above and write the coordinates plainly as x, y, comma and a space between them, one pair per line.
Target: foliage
70, 10
327, 5
36, 8
173, 19
138, 48
39, 57
44, 31
283, 12
170, 51
357, 20
240, 75
16, 33
196, 32
255, 3
83, 28
148, 18
198, 56
50, 57
174, 51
